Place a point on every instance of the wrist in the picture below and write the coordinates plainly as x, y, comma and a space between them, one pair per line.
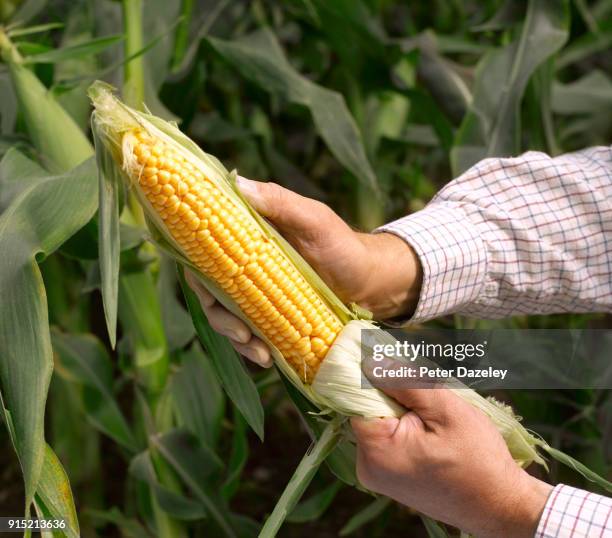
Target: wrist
517, 513
395, 274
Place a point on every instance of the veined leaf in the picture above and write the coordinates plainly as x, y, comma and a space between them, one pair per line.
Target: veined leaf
54, 496
54, 134
36, 29
237, 459
492, 125
88, 48
129, 527
365, 515
109, 189
316, 505
8, 106
177, 322
198, 396
590, 94
260, 58
187, 457
36, 223
83, 359
175, 504
28, 10
228, 365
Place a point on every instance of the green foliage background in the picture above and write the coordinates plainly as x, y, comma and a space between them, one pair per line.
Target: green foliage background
368, 105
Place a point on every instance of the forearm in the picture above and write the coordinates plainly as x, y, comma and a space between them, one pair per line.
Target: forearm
525, 235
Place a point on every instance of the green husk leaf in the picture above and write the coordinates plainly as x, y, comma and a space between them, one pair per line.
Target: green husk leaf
580, 468
303, 475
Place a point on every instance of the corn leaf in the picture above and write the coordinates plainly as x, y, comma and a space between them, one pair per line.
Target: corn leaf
129, 527
227, 363
177, 322
36, 223
580, 468
198, 397
79, 28
355, 32
54, 496
492, 125
54, 134
109, 189
175, 504
441, 79
315, 506
8, 105
365, 515
82, 359
187, 457
71, 52
590, 94
17, 174
587, 45
36, 29
237, 459
260, 58
27, 11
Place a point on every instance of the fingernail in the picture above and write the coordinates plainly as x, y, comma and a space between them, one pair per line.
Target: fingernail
246, 186
261, 357
241, 336
232, 335
250, 191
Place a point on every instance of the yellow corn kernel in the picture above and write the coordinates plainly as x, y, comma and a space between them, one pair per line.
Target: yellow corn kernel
228, 247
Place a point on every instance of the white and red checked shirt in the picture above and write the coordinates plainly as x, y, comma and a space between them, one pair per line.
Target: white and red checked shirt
526, 235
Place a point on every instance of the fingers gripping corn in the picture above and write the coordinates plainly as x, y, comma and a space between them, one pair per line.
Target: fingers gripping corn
219, 239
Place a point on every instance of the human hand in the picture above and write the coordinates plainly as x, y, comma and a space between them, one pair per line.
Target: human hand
379, 272
446, 459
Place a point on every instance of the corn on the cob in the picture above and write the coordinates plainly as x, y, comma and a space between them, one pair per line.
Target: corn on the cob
222, 243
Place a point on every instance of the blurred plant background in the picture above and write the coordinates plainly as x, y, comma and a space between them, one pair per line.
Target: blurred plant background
368, 105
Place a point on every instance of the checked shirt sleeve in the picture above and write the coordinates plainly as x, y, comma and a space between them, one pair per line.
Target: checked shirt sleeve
574, 513
524, 235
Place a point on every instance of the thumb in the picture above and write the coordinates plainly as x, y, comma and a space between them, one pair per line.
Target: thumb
431, 401
371, 431
288, 210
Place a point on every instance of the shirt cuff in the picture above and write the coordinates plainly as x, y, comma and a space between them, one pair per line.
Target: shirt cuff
452, 255
571, 512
